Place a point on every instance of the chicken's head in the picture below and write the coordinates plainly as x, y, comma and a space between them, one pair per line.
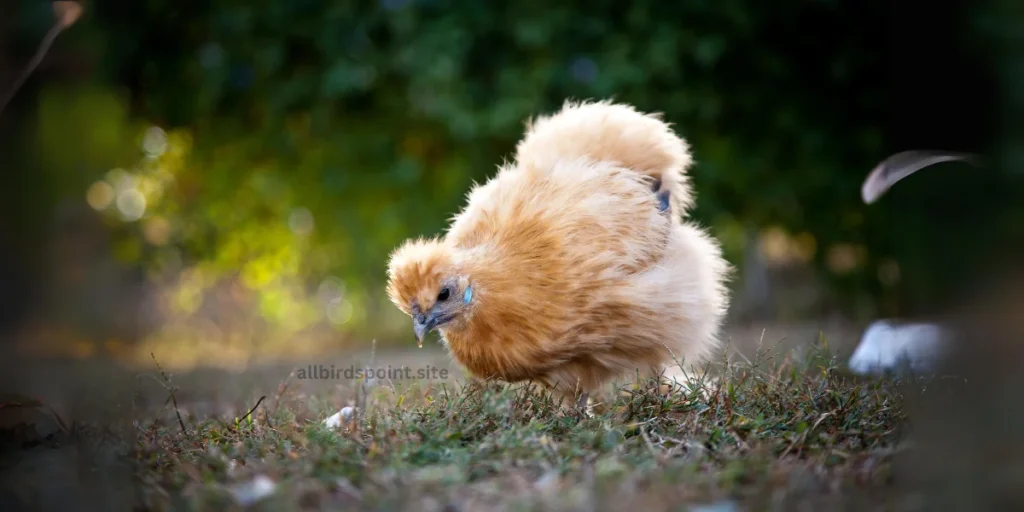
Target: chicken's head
425, 282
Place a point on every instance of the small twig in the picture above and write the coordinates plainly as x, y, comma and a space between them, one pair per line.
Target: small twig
246, 415
647, 441
66, 13
170, 390
281, 389
363, 391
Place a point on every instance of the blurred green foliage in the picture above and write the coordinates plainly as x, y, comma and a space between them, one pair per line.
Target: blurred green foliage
305, 139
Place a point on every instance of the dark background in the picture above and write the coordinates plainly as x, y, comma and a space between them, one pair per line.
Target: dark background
372, 118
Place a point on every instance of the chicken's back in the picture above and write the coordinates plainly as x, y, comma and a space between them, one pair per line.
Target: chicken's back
615, 133
587, 213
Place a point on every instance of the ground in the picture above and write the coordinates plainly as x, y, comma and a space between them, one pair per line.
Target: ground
777, 429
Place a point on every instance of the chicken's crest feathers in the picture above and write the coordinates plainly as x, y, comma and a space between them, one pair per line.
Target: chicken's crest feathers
416, 269
616, 133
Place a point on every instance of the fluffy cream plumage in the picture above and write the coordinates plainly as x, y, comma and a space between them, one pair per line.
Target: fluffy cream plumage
563, 268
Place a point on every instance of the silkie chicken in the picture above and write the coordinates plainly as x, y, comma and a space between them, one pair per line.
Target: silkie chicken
565, 269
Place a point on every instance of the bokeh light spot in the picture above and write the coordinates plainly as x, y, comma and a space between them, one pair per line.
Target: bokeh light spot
132, 204
301, 221
120, 179
339, 311
157, 230
99, 195
331, 288
844, 258
889, 272
154, 142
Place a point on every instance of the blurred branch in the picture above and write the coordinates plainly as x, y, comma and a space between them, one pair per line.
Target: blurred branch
66, 14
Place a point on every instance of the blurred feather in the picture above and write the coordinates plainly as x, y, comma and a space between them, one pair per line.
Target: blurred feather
903, 164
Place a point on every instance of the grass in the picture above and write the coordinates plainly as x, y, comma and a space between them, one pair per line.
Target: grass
765, 432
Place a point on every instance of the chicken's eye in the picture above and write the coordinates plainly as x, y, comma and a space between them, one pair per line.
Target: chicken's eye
443, 296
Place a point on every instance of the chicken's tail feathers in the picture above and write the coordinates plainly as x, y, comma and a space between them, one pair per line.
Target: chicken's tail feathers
613, 132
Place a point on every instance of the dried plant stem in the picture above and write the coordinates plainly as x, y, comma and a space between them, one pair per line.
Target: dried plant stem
170, 390
258, 402
44, 47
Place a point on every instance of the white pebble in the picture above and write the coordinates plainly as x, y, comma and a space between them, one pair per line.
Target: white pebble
344, 416
255, 490
888, 346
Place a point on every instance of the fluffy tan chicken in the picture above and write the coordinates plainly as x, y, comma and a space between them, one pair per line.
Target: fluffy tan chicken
564, 269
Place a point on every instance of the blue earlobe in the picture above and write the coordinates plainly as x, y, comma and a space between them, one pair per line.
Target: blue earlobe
468, 296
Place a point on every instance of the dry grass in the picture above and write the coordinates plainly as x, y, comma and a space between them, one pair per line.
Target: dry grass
767, 433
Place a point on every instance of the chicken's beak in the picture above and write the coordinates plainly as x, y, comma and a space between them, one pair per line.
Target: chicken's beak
423, 324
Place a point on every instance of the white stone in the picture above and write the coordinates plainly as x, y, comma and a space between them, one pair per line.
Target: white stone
342, 416
888, 346
253, 491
